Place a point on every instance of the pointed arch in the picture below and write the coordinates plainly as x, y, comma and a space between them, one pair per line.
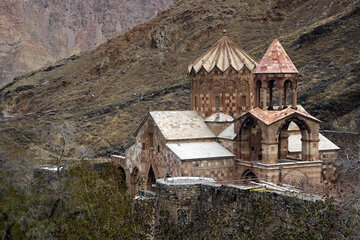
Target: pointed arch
250, 140
151, 179
282, 137
249, 176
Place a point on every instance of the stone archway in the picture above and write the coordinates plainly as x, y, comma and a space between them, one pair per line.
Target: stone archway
122, 174
249, 176
250, 140
151, 180
295, 177
283, 135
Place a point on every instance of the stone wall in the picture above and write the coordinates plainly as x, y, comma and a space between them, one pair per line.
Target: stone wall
147, 153
201, 209
223, 170
229, 92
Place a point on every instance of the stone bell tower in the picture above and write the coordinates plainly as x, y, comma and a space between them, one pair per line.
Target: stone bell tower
275, 72
221, 80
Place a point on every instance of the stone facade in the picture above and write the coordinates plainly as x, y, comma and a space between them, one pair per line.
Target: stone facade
191, 205
232, 133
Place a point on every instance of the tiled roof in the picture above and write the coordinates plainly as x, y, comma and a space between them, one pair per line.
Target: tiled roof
199, 150
219, 117
177, 125
269, 117
275, 60
223, 54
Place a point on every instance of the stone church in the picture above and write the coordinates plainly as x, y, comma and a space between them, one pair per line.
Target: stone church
244, 124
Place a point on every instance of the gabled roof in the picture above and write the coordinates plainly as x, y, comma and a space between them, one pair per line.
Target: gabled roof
270, 117
228, 133
181, 125
275, 60
223, 54
199, 150
219, 117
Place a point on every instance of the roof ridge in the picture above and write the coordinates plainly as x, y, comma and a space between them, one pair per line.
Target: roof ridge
223, 54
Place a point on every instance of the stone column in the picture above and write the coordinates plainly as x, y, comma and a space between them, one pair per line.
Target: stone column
285, 97
269, 152
310, 149
257, 102
280, 98
294, 98
264, 98
283, 141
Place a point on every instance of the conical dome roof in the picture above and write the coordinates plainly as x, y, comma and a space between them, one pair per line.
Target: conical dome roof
275, 60
223, 54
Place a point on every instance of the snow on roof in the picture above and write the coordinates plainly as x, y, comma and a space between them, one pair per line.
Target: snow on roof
177, 125
199, 150
324, 144
219, 117
228, 133
185, 180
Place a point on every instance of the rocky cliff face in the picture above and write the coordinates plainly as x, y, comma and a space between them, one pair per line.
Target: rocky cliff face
35, 33
98, 98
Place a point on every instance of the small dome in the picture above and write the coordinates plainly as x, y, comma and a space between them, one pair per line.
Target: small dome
223, 54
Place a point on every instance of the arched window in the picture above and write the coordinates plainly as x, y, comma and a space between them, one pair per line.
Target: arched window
217, 87
243, 101
230, 87
203, 88
217, 102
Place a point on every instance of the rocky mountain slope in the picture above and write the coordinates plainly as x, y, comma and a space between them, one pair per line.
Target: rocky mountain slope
96, 100
35, 33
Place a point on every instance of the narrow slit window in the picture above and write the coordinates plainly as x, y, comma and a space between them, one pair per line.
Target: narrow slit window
243, 101
217, 102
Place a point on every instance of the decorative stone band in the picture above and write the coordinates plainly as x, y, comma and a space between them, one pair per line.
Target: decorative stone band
310, 140
269, 142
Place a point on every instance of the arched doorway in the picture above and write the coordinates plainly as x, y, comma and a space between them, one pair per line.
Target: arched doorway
283, 135
250, 140
151, 180
249, 176
122, 175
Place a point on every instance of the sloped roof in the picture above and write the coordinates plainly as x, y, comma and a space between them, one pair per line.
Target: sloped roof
199, 150
219, 117
275, 60
324, 144
269, 117
177, 125
223, 54
228, 133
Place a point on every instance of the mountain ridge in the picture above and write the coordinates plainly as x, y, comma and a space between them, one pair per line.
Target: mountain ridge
101, 95
36, 33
